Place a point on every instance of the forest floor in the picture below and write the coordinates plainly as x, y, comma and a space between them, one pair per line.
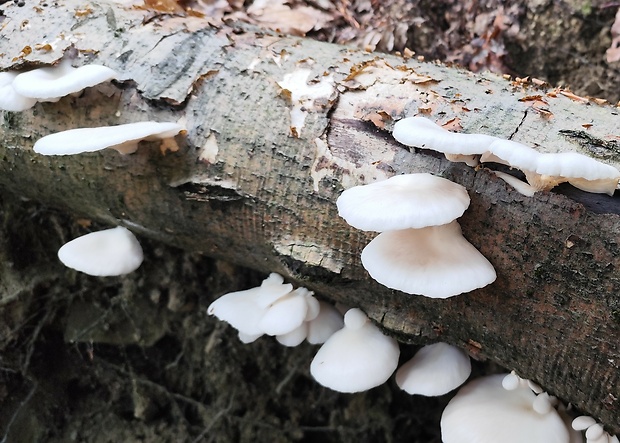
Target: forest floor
138, 359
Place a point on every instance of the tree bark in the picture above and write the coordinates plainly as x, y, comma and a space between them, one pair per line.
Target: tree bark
249, 185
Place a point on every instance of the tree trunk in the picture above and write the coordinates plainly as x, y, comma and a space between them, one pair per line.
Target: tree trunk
249, 185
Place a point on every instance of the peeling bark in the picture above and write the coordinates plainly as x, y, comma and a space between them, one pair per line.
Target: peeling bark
247, 185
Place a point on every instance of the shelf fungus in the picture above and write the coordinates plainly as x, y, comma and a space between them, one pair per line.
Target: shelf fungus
544, 171
122, 138
420, 248
423, 133
22, 90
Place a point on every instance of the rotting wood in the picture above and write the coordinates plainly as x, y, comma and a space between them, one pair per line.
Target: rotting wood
244, 186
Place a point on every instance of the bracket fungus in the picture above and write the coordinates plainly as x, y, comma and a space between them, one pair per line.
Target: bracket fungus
402, 202
434, 370
436, 261
356, 358
21, 90
104, 253
420, 249
122, 138
49, 84
483, 411
544, 171
423, 133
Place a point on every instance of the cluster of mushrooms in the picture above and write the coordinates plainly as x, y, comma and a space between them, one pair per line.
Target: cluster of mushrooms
415, 210
543, 171
109, 252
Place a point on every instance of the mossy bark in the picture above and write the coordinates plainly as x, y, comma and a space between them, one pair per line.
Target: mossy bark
248, 186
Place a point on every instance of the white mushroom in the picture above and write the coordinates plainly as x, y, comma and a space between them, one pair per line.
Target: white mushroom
545, 171
434, 370
10, 100
423, 133
436, 262
325, 324
484, 412
285, 314
123, 138
241, 310
51, 83
109, 252
403, 201
357, 357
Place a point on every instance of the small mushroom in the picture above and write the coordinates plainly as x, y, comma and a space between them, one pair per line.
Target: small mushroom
434, 370
436, 262
123, 138
357, 357
104, 253
423, 133
403, 201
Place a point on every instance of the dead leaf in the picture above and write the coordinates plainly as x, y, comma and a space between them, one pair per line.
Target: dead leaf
574, 97
453, 125
279, 16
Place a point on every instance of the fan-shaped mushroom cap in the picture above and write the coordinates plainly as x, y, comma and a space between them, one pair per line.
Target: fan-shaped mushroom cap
49, 84
484, 412
436, 262
403, 201
357, 357
104, 253
423, 133
123, 138
241, 310
325, 324
10, 100
546, 170
434, 370
285, 314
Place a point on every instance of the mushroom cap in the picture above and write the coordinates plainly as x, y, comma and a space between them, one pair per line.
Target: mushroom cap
484, 412
10, 100
76, 141
241, 308
286, 314
546, 170
423, 133
325, 324
575, 165
57, 81
436, 262
104, 253
403, 201
294, 337
513, 154
355, 358
434, 370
